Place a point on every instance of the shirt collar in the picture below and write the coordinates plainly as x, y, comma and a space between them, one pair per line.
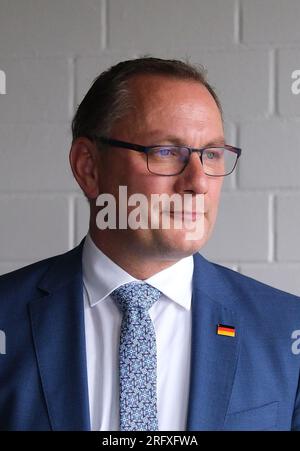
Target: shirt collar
175, 282
101, 276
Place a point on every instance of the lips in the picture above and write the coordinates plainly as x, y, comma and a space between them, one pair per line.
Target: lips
189, 215
187, 212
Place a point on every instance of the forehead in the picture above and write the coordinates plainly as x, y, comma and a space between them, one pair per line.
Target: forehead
169, 105
148, 91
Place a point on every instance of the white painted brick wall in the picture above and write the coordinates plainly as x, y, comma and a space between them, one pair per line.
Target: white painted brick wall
51, 51
55, 27
170, 24
241, 232
272, 154
34, 157
38, 90
271, 22
288, 227
32, 227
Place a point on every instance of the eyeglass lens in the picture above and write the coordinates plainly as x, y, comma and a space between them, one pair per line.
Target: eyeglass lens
168, 160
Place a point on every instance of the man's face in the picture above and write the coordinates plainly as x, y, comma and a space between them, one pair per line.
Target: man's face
166, 111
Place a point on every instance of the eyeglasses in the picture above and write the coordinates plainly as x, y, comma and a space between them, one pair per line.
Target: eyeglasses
170, 160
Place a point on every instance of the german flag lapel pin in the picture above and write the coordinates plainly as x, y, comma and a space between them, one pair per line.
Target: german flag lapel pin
228, 331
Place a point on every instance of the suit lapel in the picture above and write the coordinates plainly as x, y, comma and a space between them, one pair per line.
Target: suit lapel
213, 357
57, 320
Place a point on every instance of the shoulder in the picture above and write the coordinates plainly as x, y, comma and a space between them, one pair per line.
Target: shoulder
222, 275
252, 286
26, 274
22, 284
243, 293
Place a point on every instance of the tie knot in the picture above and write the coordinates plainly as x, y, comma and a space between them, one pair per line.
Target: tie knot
135, 296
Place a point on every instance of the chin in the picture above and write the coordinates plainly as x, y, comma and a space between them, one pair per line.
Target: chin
177, 245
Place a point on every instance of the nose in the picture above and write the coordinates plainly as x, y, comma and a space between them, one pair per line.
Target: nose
193, 178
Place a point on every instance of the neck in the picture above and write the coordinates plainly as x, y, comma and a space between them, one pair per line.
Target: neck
139, 265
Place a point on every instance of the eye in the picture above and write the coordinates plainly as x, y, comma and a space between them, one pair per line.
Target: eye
210, 155
214, 154
164, 151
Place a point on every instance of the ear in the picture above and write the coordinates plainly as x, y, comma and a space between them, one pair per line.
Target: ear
84, 161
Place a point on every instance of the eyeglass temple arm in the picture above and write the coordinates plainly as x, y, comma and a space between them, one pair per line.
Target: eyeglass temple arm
122, 144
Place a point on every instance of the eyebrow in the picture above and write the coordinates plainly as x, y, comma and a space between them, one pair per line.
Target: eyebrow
175, 140
216, 142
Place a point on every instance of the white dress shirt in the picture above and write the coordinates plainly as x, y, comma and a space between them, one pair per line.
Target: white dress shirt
171, 317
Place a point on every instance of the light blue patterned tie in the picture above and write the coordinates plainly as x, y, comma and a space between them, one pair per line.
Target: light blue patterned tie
138, 400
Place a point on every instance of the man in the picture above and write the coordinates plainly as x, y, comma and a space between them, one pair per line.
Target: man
133, 329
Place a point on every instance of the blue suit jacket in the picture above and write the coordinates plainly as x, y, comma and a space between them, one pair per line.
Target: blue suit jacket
249, 381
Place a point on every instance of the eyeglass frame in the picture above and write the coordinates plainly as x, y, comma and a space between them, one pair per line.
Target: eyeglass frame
146, 149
